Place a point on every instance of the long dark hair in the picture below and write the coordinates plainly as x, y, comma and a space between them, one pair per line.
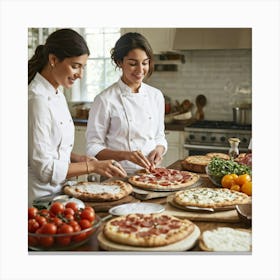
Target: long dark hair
131, 41
62, 43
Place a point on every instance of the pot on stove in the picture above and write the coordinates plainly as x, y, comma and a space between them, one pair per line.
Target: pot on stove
242, 115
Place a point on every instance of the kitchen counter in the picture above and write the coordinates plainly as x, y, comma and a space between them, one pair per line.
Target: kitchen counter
171, 126
92, 244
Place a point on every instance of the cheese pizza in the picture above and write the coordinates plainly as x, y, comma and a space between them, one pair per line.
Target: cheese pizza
147, 230
91, 191
210, 197
225, 239
163, 179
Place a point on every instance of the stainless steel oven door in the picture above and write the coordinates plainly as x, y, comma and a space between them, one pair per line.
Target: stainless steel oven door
191, 149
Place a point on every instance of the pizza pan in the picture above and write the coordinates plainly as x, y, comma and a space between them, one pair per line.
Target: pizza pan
133, 208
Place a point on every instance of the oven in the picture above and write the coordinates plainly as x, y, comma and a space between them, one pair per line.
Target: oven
204, 137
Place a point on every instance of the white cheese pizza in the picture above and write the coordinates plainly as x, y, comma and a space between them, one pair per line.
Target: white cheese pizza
225, 239
163, 179
147, 230
210, 197
91, 191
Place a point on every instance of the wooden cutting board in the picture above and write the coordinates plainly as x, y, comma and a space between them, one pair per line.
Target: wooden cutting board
105, 206
179, 246
229, 216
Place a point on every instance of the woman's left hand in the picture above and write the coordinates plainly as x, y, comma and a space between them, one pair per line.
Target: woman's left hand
155, 156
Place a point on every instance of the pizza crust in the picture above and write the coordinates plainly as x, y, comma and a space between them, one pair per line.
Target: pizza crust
147, 230
163, 179
224, 239
210, 197
91, 191
198, 163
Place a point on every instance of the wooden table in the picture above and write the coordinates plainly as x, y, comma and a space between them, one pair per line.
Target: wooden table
92, 244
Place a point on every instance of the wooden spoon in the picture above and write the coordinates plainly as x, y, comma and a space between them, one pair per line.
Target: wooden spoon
200, 103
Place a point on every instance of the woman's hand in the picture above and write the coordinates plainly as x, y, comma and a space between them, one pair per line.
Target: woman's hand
155, 156
138, 158
107, 168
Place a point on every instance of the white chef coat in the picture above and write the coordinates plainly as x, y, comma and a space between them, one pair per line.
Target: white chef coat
122, 120
50, 138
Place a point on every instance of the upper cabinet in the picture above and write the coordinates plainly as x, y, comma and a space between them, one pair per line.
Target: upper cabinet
212, 38
161, 39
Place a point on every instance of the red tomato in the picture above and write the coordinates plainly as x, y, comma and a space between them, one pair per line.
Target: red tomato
72, 205
88, 215
44, 213
57, 221
49, 228
32, 241
57, 208
63, 241
68, 211
89, 208
69, 217
64, 228
41, 220
32, 212
75, 225
84, 223
33, 225
46, 241
80, 237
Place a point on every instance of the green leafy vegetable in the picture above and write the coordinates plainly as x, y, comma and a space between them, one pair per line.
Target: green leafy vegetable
220, 167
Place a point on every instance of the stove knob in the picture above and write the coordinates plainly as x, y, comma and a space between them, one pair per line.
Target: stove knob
191, 137
223, 139
203, 138
212, 138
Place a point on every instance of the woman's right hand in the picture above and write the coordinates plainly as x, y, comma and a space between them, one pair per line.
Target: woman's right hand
138, 158
107, 168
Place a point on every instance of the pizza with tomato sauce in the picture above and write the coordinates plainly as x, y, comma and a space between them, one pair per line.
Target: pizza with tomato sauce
147, 230
163, 179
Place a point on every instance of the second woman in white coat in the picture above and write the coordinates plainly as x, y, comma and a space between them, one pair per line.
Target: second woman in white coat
126, 121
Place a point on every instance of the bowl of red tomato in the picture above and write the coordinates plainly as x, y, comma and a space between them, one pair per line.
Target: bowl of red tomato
61, 226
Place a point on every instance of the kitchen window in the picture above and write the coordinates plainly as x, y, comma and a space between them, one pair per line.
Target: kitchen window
100, 72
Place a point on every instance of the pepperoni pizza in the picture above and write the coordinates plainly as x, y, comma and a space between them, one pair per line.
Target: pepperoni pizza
163, 179
147, 230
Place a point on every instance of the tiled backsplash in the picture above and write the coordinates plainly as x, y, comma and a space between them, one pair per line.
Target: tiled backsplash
223, 76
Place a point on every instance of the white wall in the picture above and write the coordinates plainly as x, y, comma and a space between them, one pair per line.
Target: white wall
223, 76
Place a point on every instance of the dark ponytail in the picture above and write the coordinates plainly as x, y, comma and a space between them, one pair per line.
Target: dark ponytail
62, 43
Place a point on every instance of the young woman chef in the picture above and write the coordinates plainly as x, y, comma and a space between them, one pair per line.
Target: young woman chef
50, 127
126, 121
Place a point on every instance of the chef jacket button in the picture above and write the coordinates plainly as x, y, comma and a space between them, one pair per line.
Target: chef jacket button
131, 139
70, 120
49, 98
150, 118
71, 145
61, 122
150, 138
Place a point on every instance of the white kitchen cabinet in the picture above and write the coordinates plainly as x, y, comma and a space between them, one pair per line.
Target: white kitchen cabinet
175, 140
80, 140
160, 39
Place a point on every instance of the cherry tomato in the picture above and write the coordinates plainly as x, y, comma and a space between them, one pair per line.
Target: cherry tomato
33, 225
63, 240
88, 215
32, 212
57, 221
49, 228
229, 180
46, 241
68, 211
44, 213
65, 228
72, 205
89, 208
69, 217
41, 220
80, 237
32, 241
75, 225
84, 223
57, 208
